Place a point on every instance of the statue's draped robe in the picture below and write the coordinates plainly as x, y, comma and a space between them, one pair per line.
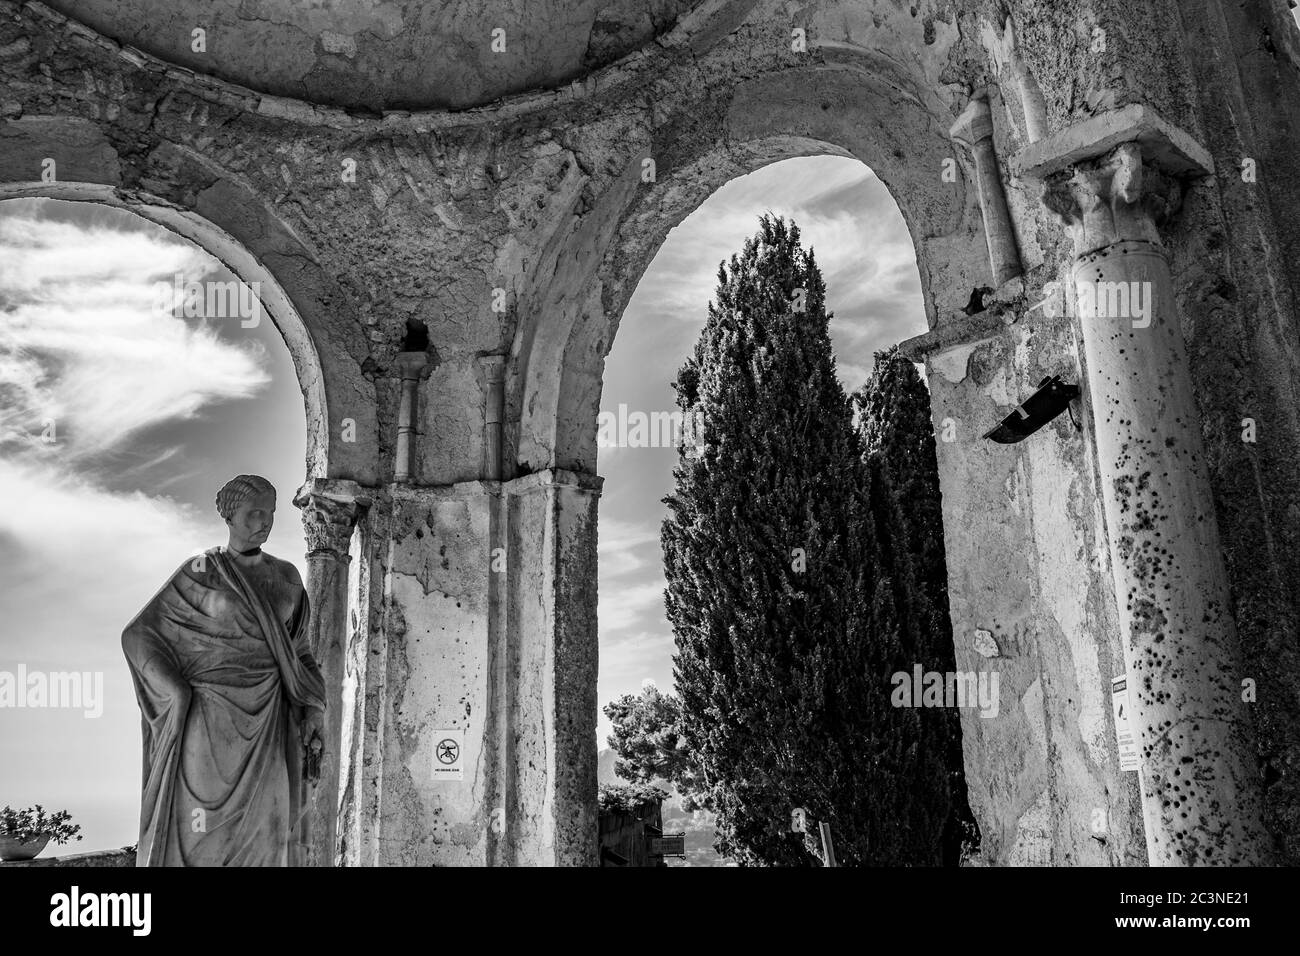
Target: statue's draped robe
221, 680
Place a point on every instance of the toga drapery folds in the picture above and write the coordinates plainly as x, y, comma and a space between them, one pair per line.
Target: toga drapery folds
221, 681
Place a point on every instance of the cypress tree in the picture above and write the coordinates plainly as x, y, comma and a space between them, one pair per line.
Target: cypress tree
893, 413
789, 587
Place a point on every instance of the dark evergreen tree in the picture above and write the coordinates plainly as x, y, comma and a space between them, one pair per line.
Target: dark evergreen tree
893, 412
790, 587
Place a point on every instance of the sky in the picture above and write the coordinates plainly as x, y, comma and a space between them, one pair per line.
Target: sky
118, 423
847, 216
120, 420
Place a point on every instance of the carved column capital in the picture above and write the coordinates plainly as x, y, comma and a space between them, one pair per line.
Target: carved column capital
494, 368
974, 125
1116, 198
1116, 177
414, 366
330, 509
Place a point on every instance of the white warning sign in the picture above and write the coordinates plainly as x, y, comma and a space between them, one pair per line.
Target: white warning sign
1128, 751
449, 755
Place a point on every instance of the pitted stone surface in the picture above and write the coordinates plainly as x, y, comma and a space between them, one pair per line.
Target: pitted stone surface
387, 171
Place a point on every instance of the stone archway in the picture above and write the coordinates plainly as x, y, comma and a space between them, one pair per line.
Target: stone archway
909, 146
231, 225
873, 116
569, 322
245, 266
331, 506
1026, 528
509, 234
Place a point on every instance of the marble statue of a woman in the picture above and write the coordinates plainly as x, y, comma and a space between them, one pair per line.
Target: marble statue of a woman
231, 699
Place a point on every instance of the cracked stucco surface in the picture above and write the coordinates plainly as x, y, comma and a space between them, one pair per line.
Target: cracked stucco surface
540, 196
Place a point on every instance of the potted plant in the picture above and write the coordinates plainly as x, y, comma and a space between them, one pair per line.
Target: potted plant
24, 833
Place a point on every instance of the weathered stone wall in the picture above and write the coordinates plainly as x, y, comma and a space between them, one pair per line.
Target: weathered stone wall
438, 659
1229, 75
518, 230
1237, 269
1027, 565
551, 669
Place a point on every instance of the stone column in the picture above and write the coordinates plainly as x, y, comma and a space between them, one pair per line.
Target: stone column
494, 374
415, 368
974, 130
1032, 103
1114, 180
330, 508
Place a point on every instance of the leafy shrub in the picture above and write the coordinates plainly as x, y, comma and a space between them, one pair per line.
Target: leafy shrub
628, 798
33, 823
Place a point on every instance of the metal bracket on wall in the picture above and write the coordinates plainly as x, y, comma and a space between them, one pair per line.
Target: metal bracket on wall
1052, 397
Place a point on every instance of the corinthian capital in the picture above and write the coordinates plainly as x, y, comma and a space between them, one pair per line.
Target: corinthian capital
1114, 177
330, 509
1116, 198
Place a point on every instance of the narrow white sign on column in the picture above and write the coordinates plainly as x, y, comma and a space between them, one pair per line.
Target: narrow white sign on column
1128, 751
449, 755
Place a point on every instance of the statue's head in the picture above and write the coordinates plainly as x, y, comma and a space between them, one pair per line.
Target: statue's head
247, 504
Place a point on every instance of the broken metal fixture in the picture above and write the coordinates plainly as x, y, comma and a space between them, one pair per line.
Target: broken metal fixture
1052, 397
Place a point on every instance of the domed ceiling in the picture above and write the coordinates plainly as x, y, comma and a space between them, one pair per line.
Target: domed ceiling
378, 54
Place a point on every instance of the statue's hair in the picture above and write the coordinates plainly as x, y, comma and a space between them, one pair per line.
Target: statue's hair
237, 489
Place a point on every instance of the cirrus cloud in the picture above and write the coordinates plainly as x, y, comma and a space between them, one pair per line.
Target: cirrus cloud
83, 347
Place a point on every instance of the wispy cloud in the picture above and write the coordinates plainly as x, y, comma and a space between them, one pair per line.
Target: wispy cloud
80, 551
623, 546
82, 346
627, 606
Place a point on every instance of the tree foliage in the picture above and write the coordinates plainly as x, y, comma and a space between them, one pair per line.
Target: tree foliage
790, 587
32, 823
629, 797
893, 414
650, 746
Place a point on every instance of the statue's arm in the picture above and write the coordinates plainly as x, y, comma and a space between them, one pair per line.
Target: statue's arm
157, 672
150, 656
299, 626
